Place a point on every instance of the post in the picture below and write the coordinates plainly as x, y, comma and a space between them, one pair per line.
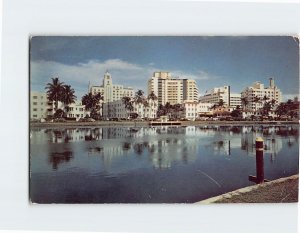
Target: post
259, 145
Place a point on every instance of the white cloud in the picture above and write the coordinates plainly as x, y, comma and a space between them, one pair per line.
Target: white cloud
111, 64
199, 75
79, 75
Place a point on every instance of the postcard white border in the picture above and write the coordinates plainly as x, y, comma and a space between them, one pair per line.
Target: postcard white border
22, 18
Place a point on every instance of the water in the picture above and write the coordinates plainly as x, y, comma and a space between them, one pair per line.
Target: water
154, 165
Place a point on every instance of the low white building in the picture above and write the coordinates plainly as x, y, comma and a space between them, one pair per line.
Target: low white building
76, 110
38, 105
42, 108
116, 109
192, 110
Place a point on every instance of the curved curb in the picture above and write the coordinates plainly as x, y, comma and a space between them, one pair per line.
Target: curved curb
245, 190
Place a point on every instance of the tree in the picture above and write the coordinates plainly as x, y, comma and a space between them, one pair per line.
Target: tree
289, 108
92, 103
168, 108
139, 97
68, 95
265, 98
55, 91
146, 103
214, 106
266, 108
245, 102
221, 103
237, 113
161, 110
256, 100
177, 108
134, 115
281, 110
152, 96
59, 114
128, 104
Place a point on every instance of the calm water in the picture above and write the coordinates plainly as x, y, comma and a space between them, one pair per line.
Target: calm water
154, 165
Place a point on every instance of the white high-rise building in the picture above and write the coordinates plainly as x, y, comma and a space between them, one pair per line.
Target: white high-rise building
258, 90
110, 91
172, 90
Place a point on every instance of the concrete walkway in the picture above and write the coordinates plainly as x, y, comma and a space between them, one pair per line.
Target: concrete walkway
283, 190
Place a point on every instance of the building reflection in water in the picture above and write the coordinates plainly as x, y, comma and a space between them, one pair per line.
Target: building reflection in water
166, 145
56, 158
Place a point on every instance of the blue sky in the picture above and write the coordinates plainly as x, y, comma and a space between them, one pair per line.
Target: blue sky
212, 61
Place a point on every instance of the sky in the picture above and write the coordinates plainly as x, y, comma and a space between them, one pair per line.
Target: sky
131, 60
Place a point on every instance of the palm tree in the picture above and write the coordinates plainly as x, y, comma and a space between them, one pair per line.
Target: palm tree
177, 108
168, 107
128, 103
237, 112
245, 102
265, 98
87, 100
152, 96
161, 110
146, 103
54, 91
213, 107
68, 95
221, 103
281, 109
256, 100
273, 102
91, 102
139, 97
267, 108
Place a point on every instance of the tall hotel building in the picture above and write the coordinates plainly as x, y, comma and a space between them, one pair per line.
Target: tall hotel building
110, 91
172, 90
258, 90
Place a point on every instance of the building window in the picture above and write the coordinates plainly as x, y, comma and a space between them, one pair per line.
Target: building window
34, 115
34, 109
34, 103
35, 97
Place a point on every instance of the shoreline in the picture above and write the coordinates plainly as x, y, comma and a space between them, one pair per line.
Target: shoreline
146, 123
282, 190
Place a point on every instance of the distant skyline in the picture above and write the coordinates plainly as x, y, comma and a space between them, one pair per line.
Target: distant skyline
211, 61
